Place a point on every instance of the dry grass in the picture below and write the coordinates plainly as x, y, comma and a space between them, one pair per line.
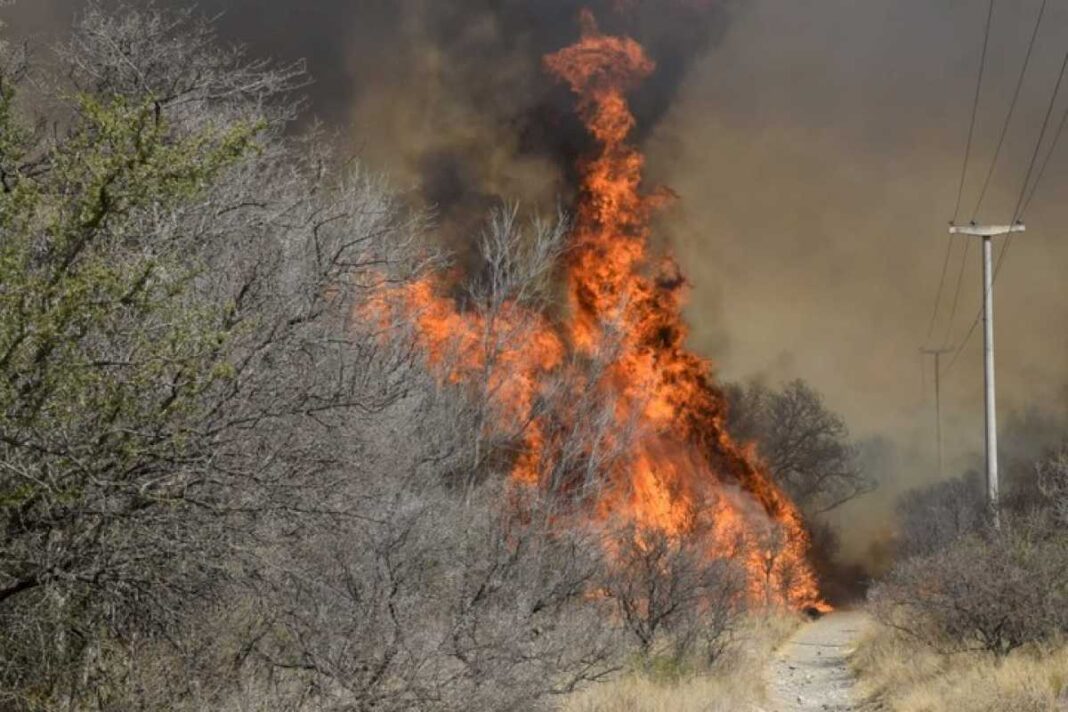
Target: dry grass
734, 683
899, 674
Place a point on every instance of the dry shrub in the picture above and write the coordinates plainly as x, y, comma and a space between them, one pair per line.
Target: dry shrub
673, 600
733, 683
1053, 482
991, 591
898, 673
975, 619
931, 518
696, 694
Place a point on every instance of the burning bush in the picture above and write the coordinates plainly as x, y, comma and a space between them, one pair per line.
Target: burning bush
662, 457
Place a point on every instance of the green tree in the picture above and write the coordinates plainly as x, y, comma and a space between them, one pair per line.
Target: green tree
106, 349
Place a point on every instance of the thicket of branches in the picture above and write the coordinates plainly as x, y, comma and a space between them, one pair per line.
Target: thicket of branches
805, 445
808, 450
962, 584
222, 483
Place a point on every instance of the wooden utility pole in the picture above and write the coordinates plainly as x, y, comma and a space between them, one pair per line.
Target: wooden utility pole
988, 233
937, 353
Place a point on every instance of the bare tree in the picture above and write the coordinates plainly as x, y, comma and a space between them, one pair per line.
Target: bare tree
805, 445
670, 592
507, 298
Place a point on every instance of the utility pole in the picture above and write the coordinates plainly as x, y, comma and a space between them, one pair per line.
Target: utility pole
937, 353
988, 233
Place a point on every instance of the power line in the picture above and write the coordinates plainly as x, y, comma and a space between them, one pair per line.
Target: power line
990, 271
1020, 201
1017, 213
963, 175
964, 342
1012, 108
1018, 210
1045, 161
975, 109
956, 291
1024, 198
938, 294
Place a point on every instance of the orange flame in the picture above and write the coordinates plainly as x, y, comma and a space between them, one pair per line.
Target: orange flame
682, 470
689, 462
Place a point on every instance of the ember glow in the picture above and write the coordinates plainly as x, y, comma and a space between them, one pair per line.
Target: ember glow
681, 473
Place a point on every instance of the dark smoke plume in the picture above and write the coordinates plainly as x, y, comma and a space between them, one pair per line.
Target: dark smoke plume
450, 97
454, 99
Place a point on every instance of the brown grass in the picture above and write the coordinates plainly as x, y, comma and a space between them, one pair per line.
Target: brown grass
735, 683
899, 674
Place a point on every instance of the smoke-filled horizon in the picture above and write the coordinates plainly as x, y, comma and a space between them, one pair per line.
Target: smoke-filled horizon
817, 152
815, 148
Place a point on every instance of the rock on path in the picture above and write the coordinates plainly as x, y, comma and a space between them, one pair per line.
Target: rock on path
811, 671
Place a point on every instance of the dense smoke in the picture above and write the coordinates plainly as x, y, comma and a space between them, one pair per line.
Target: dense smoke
815, 148
450, 98
817, 154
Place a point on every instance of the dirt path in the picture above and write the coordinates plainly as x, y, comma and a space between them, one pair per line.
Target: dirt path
810, 671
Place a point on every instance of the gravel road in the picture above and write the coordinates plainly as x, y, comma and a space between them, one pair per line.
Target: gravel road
810, 671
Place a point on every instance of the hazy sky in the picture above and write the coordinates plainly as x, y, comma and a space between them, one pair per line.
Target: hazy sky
817, 151
816, 147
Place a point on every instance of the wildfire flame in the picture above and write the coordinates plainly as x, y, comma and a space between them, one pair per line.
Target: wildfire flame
682, 473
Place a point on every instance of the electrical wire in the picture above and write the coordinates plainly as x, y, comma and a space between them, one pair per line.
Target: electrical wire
1025, 196
1018, 210
963, 172
1045, 161
1012, 108
956, 292
938, 294
963, 343
975, 108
